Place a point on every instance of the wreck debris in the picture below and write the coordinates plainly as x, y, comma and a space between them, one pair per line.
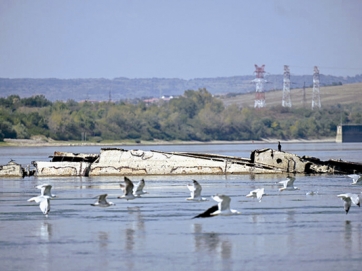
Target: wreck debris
121, 162
12, 169
115, 161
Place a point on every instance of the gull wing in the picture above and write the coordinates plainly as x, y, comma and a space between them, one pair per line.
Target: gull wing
139, 187
355, 199
223, 200
290, 181
208, 212
347, 201
260, 193
102, 199
195, 189
45, 189
355, 177
127, 187
284, 183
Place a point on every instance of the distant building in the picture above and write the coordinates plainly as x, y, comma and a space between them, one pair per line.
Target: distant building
349, 133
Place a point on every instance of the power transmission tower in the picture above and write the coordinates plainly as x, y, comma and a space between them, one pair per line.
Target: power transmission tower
259, 86
304, 97
286, 102
316, 99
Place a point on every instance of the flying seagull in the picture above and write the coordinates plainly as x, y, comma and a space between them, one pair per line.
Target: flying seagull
44, 198
288, 184
102, 201
195, 190
357, 179
222, 208
138, 189
127, 189
257, 193
348, 199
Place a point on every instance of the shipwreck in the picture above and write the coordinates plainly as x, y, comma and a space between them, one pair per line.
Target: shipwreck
117, 161
121, 162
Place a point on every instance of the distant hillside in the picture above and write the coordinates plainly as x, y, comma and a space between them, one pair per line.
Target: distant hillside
124, 88
329, 95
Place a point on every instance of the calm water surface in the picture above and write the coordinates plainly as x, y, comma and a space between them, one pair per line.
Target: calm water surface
286, 231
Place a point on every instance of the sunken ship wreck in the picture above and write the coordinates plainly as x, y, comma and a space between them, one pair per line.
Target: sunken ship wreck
117, 161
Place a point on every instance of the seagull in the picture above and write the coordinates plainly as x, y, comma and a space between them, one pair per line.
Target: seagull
348, 199
45, 190
195, 189
357, 179
257, 193
288, 184
102, 201
127, 189
44, 203
44, 198
222, 208
138, 189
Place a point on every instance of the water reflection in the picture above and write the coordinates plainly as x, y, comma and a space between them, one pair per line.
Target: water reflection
212, 242
45, 231
103, 240
134, 234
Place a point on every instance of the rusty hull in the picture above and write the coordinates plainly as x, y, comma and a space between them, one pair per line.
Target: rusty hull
138, 162
12, 169
120, 162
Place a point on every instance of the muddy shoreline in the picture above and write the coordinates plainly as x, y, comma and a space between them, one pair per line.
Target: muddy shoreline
50, 142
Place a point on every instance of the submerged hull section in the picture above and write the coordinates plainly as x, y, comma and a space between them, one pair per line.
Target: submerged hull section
137, 162
61, 168
120, 162
12, 169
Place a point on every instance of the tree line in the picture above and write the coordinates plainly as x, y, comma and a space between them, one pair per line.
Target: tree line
196, 115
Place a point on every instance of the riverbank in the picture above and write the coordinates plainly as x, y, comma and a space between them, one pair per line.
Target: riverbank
43, 142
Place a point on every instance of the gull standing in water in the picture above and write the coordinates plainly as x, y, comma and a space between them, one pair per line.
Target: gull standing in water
288, 184
138, 189
257, 193
195, 190
102, 201
222, 208
127, 189
348, 199
357, 179
44, 198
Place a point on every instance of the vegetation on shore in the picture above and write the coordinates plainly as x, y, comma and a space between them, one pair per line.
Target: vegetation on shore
195, 116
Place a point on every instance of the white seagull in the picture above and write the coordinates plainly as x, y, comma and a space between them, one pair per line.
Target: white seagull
44, 203
288, 184
257, 193
357, 179
195, 190
45, 190
127, 189
102, 201
138, 189
222, 208
348, 199
44, 198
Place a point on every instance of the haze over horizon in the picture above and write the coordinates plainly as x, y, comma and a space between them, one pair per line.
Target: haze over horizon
178, 39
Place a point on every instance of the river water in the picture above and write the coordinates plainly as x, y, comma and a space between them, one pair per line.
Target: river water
287, 230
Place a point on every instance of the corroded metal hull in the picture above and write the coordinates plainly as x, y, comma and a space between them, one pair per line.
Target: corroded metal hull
120, 162
61, 168
12, 169
137, 162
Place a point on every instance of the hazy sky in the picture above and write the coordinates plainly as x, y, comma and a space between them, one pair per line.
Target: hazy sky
178, 38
